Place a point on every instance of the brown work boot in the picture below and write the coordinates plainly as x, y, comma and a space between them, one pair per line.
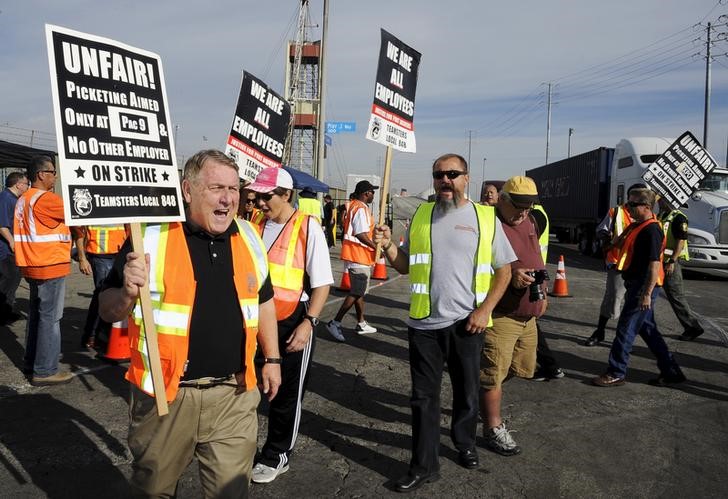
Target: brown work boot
60, 378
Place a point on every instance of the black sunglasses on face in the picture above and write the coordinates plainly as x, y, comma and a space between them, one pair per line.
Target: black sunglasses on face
633, 204
265, 197
451, 174
250, 201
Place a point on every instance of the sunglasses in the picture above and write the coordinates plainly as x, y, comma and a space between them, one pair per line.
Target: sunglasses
49, 171
250, 201
633, 204
451, 174
265, 197
519, 208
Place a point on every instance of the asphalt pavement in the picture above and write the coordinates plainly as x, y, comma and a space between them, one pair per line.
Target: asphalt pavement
578, 440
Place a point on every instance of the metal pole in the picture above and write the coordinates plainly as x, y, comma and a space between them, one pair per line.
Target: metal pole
322, 94
483, 183
706, 115
568, 152
470, 146
548, 125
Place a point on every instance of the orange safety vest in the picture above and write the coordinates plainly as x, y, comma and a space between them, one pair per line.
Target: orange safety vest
626, 246
37, 245
287, 263
353, 250
257, 217
105, 239
620, 221
172, 286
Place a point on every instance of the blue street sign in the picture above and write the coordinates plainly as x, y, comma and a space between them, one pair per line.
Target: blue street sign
327, 140
333, 127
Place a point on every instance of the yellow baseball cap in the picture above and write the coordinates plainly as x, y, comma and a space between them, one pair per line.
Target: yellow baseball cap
522, 191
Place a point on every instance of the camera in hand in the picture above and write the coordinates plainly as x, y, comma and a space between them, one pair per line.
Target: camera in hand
535, 293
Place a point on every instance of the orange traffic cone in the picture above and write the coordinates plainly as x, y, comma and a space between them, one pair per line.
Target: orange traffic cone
380, 270
561, 285
117, 348
401, 241
345, 281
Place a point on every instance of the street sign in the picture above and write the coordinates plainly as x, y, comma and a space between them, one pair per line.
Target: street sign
333, 127
328, 140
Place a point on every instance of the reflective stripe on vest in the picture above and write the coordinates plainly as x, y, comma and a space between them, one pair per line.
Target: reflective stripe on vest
671, 241
37, 245
310, 206
626, 248
543, 240
287, 262
420, 259
105, 239
172, 287
621, 221
353, 250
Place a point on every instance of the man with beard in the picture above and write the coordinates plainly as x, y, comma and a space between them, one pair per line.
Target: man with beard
453, 295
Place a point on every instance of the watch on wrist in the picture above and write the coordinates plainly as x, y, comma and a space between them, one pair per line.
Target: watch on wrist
669, 261
313, 320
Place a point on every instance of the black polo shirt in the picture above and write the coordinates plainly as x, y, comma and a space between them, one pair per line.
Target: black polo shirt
217, 340
647, 248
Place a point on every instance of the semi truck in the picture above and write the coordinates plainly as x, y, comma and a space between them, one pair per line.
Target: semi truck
577, 193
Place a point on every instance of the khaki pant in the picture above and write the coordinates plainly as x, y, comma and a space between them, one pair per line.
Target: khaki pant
509, 348
212, 424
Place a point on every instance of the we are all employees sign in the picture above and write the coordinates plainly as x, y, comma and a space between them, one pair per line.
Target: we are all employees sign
116, 153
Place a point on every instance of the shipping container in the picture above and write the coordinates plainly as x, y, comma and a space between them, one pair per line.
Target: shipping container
575, 194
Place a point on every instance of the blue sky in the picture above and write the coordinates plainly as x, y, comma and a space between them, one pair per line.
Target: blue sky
480, 59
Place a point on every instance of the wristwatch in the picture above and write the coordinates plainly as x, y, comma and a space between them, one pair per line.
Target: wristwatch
314, 320
669, 261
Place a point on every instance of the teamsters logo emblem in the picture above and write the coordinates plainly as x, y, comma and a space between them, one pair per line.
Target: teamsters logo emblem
376, 127
82, 202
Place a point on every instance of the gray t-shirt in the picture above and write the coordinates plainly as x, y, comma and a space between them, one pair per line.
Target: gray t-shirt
455, 236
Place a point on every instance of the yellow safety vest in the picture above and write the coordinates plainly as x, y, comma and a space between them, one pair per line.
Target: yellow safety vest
671, 243
420, 258
543, 240
310, 206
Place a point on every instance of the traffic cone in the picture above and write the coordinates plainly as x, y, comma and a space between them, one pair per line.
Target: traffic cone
380, 270
401, 241
117, 348
561, 285
345, 281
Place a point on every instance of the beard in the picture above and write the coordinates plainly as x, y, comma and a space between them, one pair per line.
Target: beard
446, 205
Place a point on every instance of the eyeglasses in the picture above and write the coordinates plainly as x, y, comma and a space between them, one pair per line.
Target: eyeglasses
451, 174
265, 197
48, 171
250, 201
634, 204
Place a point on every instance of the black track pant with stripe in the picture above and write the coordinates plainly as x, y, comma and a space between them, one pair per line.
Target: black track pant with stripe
285, 409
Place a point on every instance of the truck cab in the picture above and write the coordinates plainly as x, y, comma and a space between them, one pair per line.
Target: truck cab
707, 209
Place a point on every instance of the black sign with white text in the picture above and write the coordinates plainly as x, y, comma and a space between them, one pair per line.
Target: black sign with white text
260, 125
393, 111
112, 123
677, 173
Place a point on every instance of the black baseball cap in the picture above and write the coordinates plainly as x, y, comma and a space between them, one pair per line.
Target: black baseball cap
364, 186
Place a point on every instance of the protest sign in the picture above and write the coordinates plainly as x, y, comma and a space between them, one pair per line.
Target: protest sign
116, 155
259, 129
677, 173
392, 120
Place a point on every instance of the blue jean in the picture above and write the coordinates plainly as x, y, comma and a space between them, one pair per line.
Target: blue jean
100, 266
43, 332
633, 321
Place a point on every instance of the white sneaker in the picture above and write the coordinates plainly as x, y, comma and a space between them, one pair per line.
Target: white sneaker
334, 329
266, 474
499, 440
365, 328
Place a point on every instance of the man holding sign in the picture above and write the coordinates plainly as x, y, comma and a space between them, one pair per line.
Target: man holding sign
213, 299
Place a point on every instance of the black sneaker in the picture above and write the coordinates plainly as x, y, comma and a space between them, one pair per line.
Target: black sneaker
690, 334
545, 375
665, 380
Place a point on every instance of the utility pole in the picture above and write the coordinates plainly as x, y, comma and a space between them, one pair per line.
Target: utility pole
568, 151
470, 148
322, 97
483, 183
706, 114
548, 124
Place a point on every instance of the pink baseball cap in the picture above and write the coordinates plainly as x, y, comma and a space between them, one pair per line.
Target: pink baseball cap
270, 178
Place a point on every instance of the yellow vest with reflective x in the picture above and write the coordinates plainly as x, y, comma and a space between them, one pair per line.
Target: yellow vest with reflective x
310, 206
420, 258
671, 243
543, 240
